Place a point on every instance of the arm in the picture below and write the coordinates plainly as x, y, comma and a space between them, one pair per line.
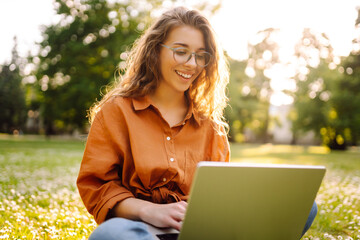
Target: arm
99, 183
159, 215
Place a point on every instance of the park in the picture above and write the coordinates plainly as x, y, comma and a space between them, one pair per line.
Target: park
302, 109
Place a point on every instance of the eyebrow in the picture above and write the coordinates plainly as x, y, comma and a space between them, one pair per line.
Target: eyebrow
187, 46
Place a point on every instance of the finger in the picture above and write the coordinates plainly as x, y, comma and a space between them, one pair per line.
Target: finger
183, 203
178, 215
182, 206
175, 224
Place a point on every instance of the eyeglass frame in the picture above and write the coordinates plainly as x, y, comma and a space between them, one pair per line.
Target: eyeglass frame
192, 53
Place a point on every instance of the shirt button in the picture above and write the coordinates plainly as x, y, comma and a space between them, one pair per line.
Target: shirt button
172, 159
164, 179
168, 138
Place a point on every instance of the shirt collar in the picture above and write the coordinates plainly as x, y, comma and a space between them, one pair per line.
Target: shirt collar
142, 103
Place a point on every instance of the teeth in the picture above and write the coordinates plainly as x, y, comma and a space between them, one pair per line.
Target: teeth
183, 74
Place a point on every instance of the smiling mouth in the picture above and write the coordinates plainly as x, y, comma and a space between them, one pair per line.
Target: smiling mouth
187, 76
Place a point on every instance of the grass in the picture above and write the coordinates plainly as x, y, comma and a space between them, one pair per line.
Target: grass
39, 199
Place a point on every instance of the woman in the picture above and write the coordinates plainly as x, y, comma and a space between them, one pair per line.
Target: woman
149, 132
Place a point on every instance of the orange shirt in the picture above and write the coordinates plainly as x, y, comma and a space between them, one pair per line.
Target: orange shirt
131, 151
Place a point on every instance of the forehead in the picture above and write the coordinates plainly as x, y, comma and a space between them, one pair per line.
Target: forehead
187, 35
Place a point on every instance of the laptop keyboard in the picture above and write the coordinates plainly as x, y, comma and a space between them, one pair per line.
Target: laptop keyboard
168, 236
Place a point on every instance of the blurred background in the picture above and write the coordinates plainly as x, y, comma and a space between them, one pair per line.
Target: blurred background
295, 65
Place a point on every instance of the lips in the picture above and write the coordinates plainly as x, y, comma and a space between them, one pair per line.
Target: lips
184, 75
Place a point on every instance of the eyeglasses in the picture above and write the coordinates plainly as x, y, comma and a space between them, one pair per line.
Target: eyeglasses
183, 55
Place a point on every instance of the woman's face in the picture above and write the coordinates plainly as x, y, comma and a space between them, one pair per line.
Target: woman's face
177, 77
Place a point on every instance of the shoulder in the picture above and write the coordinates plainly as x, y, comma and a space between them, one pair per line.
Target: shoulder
216, 139
116, 104
113, 116
211, 128
113, 108
209, 123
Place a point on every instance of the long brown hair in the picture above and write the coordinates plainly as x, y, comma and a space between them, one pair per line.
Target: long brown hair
142, 75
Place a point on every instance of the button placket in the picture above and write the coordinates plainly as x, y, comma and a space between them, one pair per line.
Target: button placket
170, 148
170, 169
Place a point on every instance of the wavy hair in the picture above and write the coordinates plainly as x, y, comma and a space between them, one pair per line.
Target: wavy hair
142, 76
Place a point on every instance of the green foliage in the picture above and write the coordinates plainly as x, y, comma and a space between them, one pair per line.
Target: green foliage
346, 100
327, 100
80, 54
332, 113
236, 112
311, 109
12, 97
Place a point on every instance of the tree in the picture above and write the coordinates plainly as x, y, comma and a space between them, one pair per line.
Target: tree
313, 105
346, 98
327, 100
80, 54
313, 54
237, 112
344, 122
12, 98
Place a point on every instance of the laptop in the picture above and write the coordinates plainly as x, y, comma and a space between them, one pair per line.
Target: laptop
247, 201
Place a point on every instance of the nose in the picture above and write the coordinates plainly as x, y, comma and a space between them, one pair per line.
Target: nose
192, 61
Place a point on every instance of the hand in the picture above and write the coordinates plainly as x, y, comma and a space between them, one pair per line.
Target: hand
164, 215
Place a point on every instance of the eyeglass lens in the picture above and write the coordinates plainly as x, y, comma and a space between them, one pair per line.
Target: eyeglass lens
183, 55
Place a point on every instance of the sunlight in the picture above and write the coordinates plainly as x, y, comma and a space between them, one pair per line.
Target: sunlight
279, 98
237, 23
281, 80
245, 19
281, 77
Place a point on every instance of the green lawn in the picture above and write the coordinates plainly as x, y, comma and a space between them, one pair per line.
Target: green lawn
39, 199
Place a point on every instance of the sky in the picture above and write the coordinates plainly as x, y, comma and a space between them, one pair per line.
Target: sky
236, 23
243, 19
23, 19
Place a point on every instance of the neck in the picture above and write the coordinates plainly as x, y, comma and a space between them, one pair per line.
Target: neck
168, 99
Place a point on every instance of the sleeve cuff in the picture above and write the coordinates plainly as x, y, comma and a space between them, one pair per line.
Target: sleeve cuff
101, 214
